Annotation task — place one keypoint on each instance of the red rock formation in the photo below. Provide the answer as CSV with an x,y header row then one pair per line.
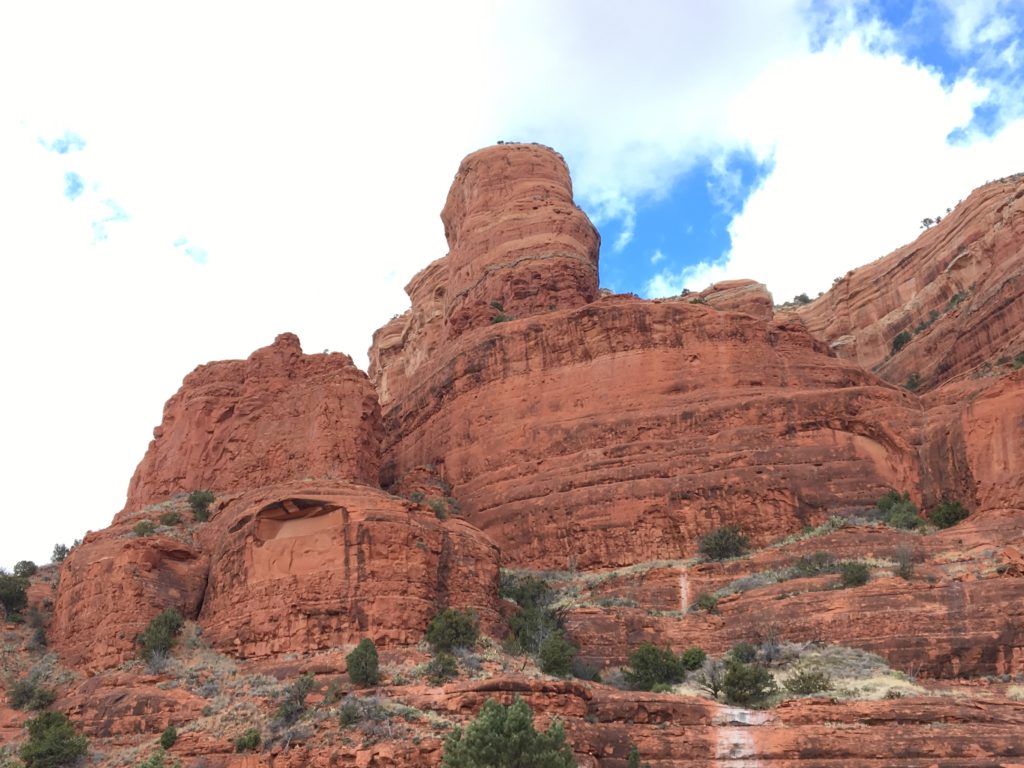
x,y
960,284
518,245
624,430
280,415
746,296
113,584
299,568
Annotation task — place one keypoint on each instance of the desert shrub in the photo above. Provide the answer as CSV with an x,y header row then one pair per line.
x,y
144,528
899,511
25,568
947,514
633,759
169,737
526,590
350,713
913,381
504,737
293,703
160,635
854,573
711,676
442,668
13,593
363,664
901,340
30,693
535,621
170,518
705,602
199,502
692,658
802,298
248,741
744,653
813,565
453,629
650,665
807,679
747,684
52,742
60,551
585,671
723,543
157,760
904,563
556,654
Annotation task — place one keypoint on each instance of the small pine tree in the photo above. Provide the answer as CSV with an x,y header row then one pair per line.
x,y
25,568
13,593
504,737
248,741
169,737
692,658
200,502
60,551
144,528
556,655
747,684
650,665
723,543
363,664
946,515
854,573
52,742
161,634
452,629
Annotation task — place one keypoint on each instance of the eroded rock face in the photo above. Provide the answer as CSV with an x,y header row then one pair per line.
x,y
958,291
298,568
113,584
624,430
279,415
518,245
746,296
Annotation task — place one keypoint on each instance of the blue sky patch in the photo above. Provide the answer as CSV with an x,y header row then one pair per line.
x,y
69,142
198,254
73,185
687,226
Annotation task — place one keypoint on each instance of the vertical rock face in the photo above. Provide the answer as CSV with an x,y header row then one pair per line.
x,y
279,415
957,293
299,568
518,245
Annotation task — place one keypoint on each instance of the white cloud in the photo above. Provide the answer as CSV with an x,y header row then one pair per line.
x,y
657,257
978,22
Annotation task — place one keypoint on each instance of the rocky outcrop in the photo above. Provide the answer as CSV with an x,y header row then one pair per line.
x,y
300,568
747,296
624,430
113,584
279,415
957,292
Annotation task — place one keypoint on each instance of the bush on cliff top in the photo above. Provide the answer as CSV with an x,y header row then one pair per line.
x,y
723,543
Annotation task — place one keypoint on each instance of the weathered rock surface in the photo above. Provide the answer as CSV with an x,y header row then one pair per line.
x,y
624,430
279,415
299,568
958,289
746,296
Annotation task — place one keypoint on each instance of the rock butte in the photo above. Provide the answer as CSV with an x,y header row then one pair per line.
x,y
516,415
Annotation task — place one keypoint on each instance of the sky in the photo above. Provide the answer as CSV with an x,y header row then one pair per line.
x,y
180,183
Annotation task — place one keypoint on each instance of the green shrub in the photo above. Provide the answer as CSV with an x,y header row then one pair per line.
x,y
747,684
160,634
633,760
705,602
711,676
52,742
200,502
170,518
649,665
504,737
169,737
157,760
13,593
442,668
556,654
913,382
813,565
526,591
363,664
453,629
899,511
854,573
901,340
947,514
807,679
350,713
692,658
29,693
743,653
144,528
723,543
60,551
293,704
248,741
25,568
